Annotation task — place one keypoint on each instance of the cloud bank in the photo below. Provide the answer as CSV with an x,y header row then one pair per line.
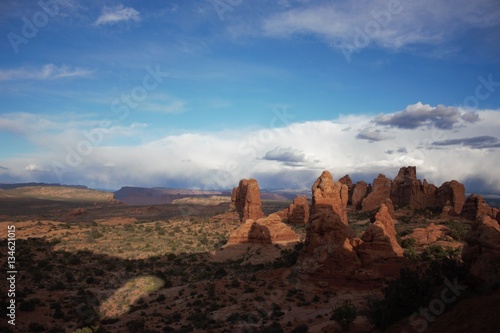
x,y
288,156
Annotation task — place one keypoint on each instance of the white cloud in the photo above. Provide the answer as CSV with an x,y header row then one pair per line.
x,y
33,167
220,159
46,72
117,14
390,24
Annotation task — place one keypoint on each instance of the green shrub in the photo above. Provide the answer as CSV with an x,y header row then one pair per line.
x,y
408,243
344,314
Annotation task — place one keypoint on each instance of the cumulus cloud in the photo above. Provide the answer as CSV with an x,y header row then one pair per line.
x,y
420,115
46,72
477,142
117,14
287,155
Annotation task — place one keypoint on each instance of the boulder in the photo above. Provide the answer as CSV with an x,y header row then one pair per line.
x,y
381,190
246,200
481,253
326,192
267,230
429,235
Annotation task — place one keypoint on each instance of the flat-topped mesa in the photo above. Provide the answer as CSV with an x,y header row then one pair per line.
x,y
266,230
246,200
326,192
380,192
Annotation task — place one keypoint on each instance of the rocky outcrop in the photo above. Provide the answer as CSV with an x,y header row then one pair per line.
x,y
331,249
451,194
327,193
429,235
481,253
379,240
267,230
381,190
327,249
346,180
246,200
298,212
409,191
476,207
405,186
360,191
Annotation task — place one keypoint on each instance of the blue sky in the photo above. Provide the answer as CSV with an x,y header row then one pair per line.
x,y
202,93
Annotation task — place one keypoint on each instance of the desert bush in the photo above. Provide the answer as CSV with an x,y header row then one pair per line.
x,y
344,314
458,230
408,243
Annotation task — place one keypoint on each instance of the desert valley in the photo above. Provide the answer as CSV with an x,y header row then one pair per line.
x,y
392,255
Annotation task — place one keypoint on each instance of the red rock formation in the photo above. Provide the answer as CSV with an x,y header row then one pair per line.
x,y
267,230
381,191
379,240
298,212
429,235
346,180
326,192
405,186
360,191
453,194
407,190
246,200
481,253
476,208
327,249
